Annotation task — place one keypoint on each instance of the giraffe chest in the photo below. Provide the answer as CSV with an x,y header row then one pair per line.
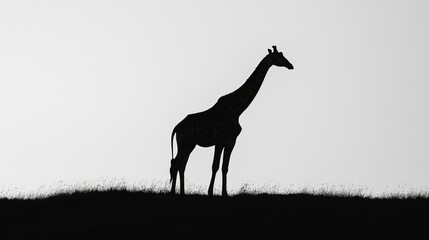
x,y
227,130
218,129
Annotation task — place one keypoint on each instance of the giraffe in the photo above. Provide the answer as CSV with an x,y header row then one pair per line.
x,y
219,125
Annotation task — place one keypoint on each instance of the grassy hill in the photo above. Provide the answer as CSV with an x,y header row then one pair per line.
x,y
123,214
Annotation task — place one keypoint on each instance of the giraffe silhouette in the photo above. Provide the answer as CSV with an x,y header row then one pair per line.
x,y
218,126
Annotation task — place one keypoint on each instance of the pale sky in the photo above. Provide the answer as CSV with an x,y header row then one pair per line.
x,y
93,89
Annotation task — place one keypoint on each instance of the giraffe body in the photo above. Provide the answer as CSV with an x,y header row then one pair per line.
x,y
216,125
219,125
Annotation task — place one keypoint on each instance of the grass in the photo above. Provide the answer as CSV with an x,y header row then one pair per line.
x,y
151,213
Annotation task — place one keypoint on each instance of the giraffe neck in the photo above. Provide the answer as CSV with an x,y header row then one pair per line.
x,y
242,97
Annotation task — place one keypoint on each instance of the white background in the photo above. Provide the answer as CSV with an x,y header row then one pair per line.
x,y
93,89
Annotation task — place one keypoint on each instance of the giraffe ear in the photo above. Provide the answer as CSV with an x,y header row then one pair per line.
x,y
269,51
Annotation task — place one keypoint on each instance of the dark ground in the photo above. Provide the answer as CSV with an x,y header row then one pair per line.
x,y
138,215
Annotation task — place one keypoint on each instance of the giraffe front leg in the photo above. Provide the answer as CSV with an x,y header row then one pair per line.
x,y
215,167
226,156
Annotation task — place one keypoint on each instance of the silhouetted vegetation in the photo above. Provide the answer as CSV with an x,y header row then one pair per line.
x,y
125,214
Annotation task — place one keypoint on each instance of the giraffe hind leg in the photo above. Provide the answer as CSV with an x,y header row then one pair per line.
x,y
178,165
183,160
173,175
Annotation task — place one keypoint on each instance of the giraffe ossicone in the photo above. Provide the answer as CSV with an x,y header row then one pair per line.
x,y
219,125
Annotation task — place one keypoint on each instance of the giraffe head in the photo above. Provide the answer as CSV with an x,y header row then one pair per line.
x,y
278,59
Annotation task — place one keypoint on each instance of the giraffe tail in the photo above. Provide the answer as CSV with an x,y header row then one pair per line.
x,y
172,138
172,168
